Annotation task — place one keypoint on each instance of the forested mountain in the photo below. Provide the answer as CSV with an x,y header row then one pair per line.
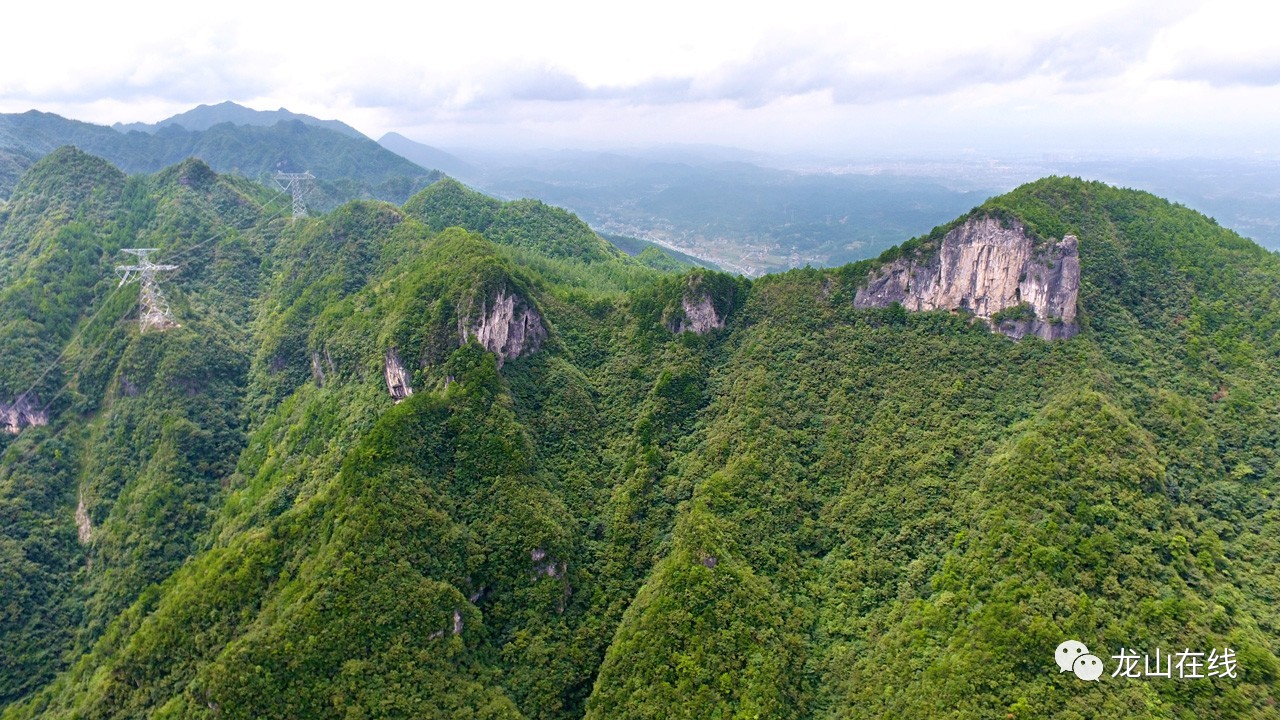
x,y
462,459
346,167
203,117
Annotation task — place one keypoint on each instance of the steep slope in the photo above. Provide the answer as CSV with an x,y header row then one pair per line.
x,y
924,531
110,496
997,273
455,477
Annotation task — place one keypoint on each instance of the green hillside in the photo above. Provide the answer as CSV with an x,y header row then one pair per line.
x,y
346,166
571,511
520,223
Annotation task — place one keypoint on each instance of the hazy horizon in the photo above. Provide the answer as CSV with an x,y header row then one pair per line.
x,y
1000,79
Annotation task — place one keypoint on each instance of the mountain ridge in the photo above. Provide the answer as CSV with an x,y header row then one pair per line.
x,y
346,167
203,117
699,496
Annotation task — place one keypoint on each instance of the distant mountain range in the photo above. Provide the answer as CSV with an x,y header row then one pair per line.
x,y
247,142
744,212
203,117
744,217
428,156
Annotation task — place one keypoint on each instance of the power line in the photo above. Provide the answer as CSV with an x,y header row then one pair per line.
x,y
192,248
67,348
106,301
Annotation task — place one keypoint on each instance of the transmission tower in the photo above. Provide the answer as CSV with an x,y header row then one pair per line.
x,y
297,184
153,309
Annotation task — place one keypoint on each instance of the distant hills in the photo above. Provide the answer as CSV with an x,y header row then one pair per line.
x,y
256,144
203,117
745,217
727,207
348,165
428,156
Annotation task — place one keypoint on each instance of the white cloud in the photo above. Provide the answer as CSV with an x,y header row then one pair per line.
x,y
907,74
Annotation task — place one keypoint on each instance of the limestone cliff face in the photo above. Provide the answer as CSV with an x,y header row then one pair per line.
x,y
984,267
22,412
700,316
397,376
506,325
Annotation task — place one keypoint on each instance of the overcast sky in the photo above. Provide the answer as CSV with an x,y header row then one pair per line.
x,y
885,78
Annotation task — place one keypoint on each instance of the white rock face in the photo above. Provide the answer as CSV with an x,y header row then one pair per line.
x,y
84,528
23,412
397,377
984,267
505,325
700,316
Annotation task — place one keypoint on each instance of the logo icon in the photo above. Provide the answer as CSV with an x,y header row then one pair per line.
x,y
1087,667
1073,656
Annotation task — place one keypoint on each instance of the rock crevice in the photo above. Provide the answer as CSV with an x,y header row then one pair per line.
x,y
994,271
23,412
506,325
397,376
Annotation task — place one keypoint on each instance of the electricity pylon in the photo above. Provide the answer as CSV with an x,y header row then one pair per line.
x,y
153,309
297,184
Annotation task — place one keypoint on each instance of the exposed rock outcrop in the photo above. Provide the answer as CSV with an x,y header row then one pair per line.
x,y
84,528
397,377
455,629
700,316
542,565
506,325
996,272
318,366
22,413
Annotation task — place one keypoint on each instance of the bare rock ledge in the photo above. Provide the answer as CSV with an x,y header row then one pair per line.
x,y
984,267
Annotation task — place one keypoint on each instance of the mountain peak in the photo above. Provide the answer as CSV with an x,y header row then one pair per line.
x,y
203,117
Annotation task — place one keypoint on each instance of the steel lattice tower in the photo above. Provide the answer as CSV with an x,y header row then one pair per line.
x,y
297,184
153,309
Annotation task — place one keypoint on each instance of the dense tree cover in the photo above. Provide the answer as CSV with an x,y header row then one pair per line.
x,y
148,424
346,165
520,223
813,512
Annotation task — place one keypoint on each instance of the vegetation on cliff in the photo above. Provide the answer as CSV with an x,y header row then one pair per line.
x,y
813,512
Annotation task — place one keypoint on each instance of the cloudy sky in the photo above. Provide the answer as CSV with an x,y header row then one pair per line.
x,y
870,79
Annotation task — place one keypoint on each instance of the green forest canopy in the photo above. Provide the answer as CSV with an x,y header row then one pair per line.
x,y
814,512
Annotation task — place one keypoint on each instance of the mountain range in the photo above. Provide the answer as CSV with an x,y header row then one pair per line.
x,y
460,457
203,117
347,165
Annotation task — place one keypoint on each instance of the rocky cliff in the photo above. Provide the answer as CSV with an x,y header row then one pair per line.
x,y
23,412
397,377
992,269
506,324
699,314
